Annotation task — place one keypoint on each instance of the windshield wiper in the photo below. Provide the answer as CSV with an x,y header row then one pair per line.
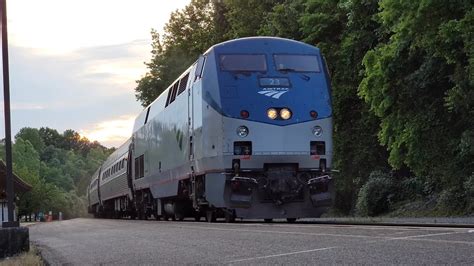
x,y
236,73
286,69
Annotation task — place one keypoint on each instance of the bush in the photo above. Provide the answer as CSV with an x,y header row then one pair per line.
x,y
375,195
411,188
469,193
451,201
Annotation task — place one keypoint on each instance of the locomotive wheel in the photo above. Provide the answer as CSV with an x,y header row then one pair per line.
x,y
178,217
197,217
269,220
210,216
291,220
229,217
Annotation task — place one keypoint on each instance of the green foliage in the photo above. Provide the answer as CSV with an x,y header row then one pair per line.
x,y
247,17
451,201
345,31
412,81
282,20
469,192
33,136
412,188
188,33
375,196
58,167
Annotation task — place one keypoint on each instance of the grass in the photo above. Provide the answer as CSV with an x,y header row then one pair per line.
x,y
26,258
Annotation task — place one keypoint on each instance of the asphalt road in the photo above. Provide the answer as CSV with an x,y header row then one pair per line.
x,y
100,241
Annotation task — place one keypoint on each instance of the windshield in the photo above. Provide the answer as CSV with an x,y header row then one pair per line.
x,y
298,63
243,62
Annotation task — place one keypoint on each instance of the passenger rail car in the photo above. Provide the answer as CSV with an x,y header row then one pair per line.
x,y
245,132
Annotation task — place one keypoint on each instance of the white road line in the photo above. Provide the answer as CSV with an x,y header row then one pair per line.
x,y
441,241
419,236
282,254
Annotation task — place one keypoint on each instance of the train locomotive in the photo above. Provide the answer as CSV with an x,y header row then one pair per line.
x,y
245,132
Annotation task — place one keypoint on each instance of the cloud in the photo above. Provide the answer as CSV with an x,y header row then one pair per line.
x,y
110,132
22,106
58,26
70,91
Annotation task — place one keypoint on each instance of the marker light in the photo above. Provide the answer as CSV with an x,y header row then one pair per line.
x,y
285,113
244,114
272,113
242,131
317,131
313,114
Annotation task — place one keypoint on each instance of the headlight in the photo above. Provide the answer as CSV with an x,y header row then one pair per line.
x,y
285,113
317,131
242,131
272,113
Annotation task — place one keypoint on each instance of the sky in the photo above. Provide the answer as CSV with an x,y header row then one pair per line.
x,y
73,64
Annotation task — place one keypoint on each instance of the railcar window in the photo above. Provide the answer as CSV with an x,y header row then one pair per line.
x,y
182,84
297,63
147,113
170,89
137,170
139,167
172,92
243,62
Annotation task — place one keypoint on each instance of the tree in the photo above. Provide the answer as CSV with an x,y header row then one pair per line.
x,y
58,172
246,17
50,136
282,20
33,136
188,33
71,140
418,84
345,31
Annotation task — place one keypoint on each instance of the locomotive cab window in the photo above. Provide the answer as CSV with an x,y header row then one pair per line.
x,y
243,62
296,63
199,68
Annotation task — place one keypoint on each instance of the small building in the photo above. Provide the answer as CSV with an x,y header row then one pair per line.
x,y
19,186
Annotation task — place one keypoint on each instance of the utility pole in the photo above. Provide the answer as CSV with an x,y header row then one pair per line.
x,y
6,104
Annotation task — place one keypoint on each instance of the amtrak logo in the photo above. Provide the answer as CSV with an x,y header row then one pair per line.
x,y
273,92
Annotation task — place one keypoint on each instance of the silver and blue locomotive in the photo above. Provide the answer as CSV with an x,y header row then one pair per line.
x,y
245,132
